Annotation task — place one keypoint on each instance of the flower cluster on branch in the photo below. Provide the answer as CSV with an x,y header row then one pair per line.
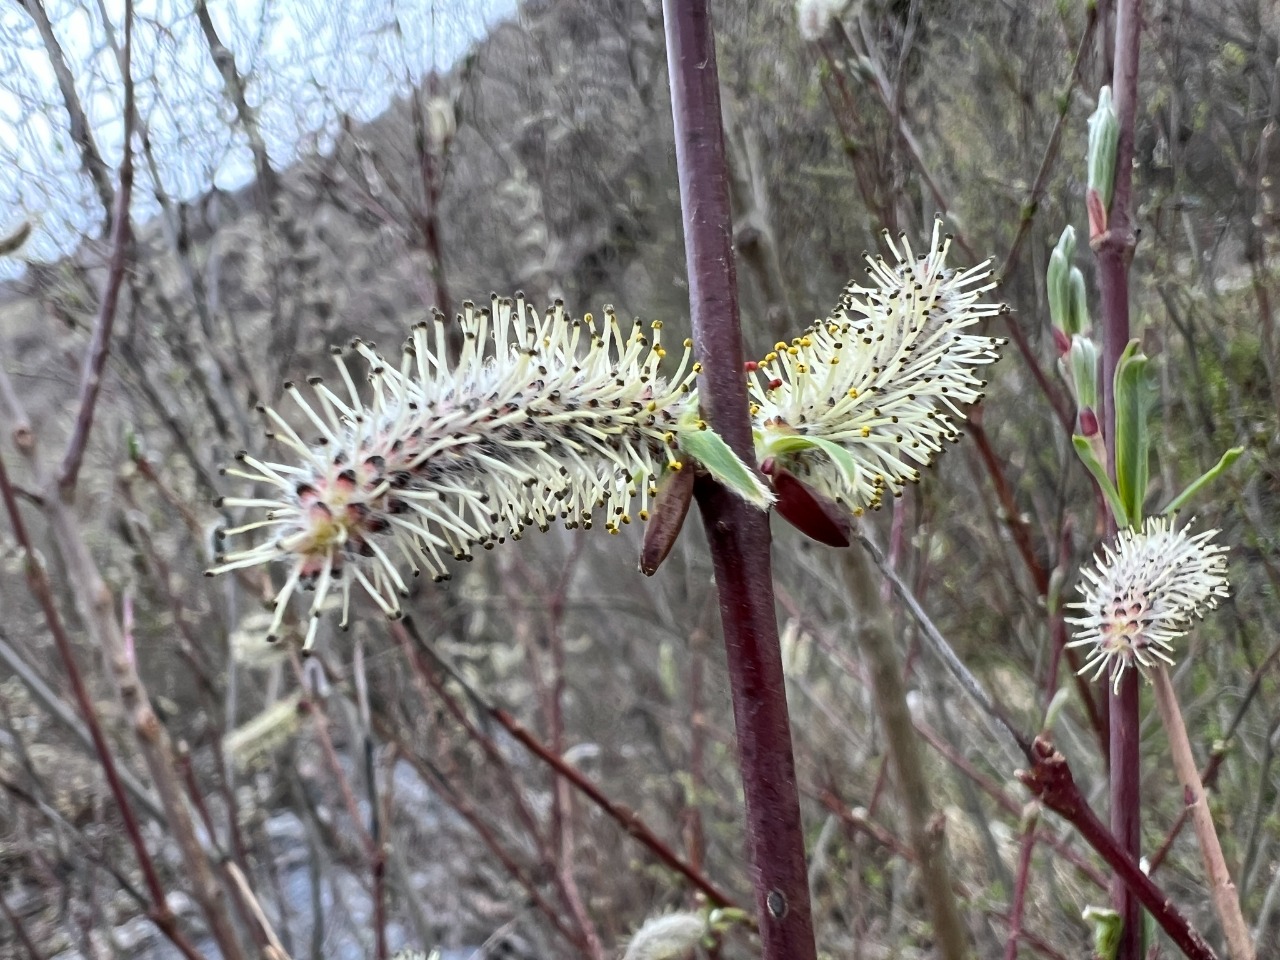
x,y
539,418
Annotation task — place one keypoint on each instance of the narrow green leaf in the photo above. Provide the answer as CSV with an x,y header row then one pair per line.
x,y
709,449
1096,465
837,454
1133,397
1224,464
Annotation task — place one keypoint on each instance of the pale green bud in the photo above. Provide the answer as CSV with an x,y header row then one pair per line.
x,y
1104,134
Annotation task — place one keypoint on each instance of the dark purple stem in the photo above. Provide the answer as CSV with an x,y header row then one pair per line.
x,y
1114,250
1051,780
738,533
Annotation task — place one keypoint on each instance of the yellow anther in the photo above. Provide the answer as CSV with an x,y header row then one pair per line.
x,y
675,465
793,350
801,368
688,343
697,368
652,406
626,518
644,515
660,352
866,431
770,357
780,345
853,393
656,325
587,318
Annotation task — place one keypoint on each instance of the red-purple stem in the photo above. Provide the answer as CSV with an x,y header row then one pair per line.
x,y
1114,250
738,532
1051,780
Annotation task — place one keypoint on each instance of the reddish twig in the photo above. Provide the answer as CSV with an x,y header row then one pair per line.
x,y
95,359
738,533
459,804
1010,806
16,924
1026,849
38,582
1114,251
628,819
429,682
1051,780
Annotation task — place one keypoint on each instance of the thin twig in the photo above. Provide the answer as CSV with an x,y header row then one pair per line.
x,y
938,643
1226,902
924,825
1031,204
121,241
38,582
628,819
1051,780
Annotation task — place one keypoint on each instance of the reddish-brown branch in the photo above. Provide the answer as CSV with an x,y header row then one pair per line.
x,y
95,359
430,684
1010,805
628,819
738,533
1051,780
38,582
1114,250
459,804
1026,849
19,928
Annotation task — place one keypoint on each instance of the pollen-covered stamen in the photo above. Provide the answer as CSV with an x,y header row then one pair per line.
x,y
885,378
1145,593
537,418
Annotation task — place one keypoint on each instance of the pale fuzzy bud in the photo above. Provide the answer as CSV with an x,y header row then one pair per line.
x,y
813,17
442,124
260,736
669,937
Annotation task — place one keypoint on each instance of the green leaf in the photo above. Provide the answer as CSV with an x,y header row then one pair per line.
x,y
1133,397
1195,486
1094,459
707,447
797,442
1107,926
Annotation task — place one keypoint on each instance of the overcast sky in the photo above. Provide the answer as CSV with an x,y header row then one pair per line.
x,y
309,62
